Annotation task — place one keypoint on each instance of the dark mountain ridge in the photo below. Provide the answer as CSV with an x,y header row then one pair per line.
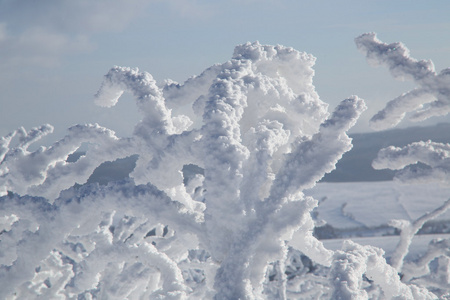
x,y
356,165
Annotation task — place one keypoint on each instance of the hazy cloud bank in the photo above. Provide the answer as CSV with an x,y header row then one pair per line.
x,y
39,32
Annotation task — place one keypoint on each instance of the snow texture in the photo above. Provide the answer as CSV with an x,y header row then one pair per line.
x,y
254,134
434,155
430,98
434,90
408,230
254,124
353,261
349,204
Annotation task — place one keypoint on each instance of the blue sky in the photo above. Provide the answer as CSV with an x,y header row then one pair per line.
x,y
53,54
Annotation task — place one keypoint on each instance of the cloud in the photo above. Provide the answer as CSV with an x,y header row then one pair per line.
x,y
430,98
39,32
38,46
71,16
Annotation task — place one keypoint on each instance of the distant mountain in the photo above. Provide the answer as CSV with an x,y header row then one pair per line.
x,y
356,165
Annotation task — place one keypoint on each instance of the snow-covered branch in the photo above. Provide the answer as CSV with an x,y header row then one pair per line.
x,y
430,98
213,203
45,172
432,269
257,131
433,89
434,155
353,261
407,232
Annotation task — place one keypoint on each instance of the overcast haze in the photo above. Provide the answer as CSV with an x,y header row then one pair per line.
x,y
54,53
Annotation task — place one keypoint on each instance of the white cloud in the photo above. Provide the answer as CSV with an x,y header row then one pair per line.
x,y
71,16
38,46
38,33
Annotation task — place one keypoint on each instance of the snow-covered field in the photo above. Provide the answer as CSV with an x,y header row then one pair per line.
x,y
361,211
372,204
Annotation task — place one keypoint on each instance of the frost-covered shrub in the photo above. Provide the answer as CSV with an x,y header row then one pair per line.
x,y
430,98
254,124
254,134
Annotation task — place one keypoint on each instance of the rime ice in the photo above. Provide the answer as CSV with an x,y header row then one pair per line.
x,y
430,98
257,133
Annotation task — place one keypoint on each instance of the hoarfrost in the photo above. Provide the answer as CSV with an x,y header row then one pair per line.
x,y
430,98
259,134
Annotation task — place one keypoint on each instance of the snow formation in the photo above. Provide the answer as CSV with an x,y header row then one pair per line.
x,y
430,98
257,134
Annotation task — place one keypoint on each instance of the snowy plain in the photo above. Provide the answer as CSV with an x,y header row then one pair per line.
x,y
372,204
362,211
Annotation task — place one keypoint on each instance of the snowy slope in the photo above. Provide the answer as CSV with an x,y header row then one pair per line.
x,y
371,204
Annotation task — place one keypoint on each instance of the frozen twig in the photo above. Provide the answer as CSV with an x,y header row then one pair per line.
x,y
407,232
433,89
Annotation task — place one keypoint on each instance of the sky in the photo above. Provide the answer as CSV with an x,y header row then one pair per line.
x,y
54,53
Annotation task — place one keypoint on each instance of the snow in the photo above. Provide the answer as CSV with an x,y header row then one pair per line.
x,y
434,155
388,243
222,197
402,206
430,98
371,204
